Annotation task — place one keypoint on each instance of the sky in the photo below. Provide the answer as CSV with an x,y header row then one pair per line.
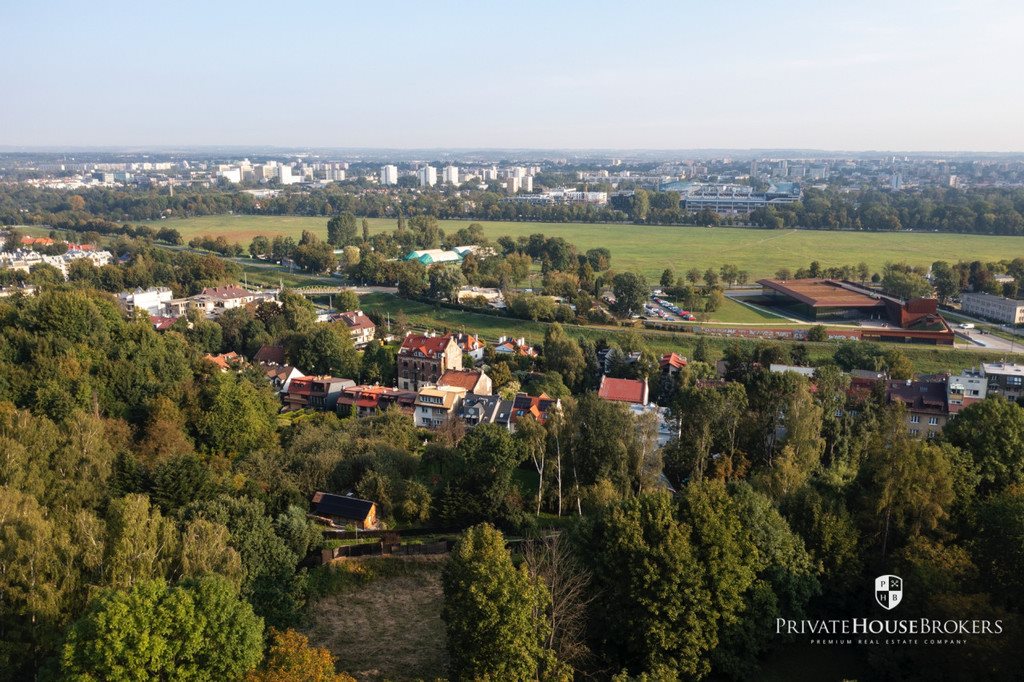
x,y
944,75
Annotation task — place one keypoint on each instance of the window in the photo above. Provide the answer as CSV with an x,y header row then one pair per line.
x,y
914,432
933,421
914,419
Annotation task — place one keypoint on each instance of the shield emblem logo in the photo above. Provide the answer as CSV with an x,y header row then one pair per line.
x,y
888,591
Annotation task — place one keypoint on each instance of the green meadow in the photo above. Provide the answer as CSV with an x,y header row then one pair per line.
x,y
652,248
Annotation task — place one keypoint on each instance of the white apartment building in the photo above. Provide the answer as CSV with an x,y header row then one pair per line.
x,y
232,175
527,183
513,184
967,387
152,300
450,175
997,308
389,175
284,175
428,176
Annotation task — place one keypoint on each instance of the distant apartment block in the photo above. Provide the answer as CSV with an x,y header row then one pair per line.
x,y
450,175
996,308
389,175
152,300
428,176
1005,379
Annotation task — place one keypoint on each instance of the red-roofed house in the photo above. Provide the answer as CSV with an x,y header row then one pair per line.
x,y
269,355
474,381
422,359
517,347
161,323
473,346
672,362
359,326
633,391
318,393
36,241
539,407
225,361
367,400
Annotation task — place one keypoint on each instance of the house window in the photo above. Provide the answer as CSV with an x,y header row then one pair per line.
x,y
914,419
933,421
914,432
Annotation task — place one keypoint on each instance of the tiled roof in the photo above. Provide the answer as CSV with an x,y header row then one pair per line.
x,y
467,379
224,360
356,319
271,355
161,323
673,359
226,292
622,390
428,346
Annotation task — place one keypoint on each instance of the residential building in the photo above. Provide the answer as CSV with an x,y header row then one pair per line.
x,y
925,403
965,388
269,355
526,183
345,510
360,327
802,371
473,380
473,346
152,300
225,361
281,376
486,409
364,401
995,308
518,347
513,184
450,175
389,175
284,175
1005,379
539,407
315,392
428,176
422,359
633,391
437,404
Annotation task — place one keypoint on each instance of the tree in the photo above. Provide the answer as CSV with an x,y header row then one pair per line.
x,y
817,333
290,658
993,432
640,205
445,282
999,545
197,630
327,349
655,612
259,246
700,350
492,611
480,479
412,279
668,278
553,564
563,355
233,415
946,281
631,292
141,544
341,229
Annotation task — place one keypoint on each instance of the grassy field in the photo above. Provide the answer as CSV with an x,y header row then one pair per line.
x,y
650,249
386,625
926,359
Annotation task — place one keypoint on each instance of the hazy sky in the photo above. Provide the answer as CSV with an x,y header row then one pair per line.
x,y
906,75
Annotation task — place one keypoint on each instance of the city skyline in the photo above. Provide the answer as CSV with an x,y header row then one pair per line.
x,y
912,78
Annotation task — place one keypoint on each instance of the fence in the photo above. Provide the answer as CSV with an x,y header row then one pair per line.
x,y
386,549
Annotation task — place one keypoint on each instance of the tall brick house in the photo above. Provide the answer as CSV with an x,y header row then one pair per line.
x,y
422,360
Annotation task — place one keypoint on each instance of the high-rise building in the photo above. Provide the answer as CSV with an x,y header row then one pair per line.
x,y
513,184
527,183
389,175
428,176
450,175
284,174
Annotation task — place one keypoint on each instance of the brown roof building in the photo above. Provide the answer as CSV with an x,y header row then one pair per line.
x,y
422,359
474,381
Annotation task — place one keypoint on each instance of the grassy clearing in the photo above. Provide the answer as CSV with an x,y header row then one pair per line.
x,y
650,249
381,618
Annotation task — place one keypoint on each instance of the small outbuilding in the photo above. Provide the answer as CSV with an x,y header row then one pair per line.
x,y
345,510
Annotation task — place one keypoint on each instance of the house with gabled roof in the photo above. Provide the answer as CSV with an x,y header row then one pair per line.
x,y
473,380
633,391
345,510
360,326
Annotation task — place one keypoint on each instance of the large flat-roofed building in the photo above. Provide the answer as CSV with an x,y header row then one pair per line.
x,y
996,308
822,299
825,300
728,198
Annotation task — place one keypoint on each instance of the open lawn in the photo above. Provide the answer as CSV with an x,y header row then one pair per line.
x,y
650,249
386,624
